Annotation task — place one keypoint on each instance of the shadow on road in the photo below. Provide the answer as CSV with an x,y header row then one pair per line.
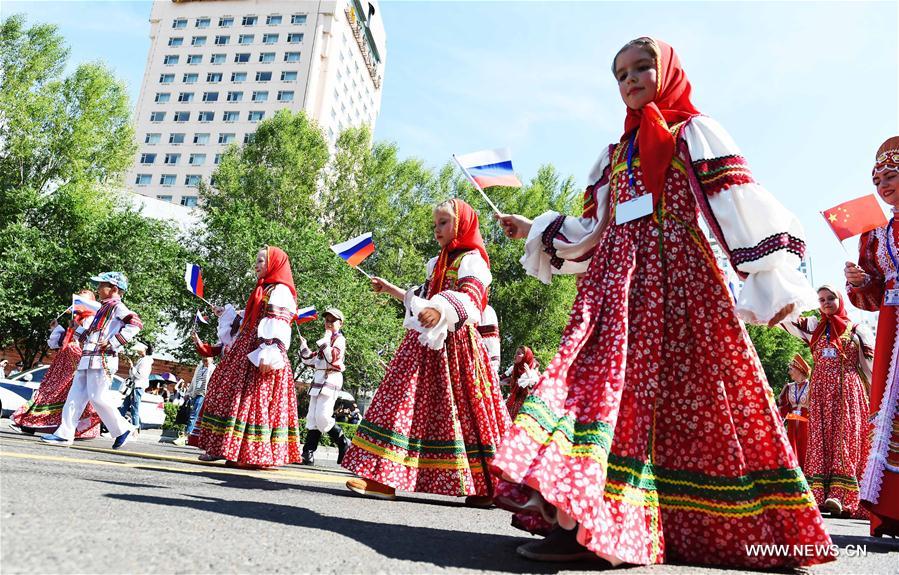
x,y
871,544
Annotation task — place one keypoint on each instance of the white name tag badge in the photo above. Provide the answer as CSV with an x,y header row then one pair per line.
x,y
634,209
829,352
891,297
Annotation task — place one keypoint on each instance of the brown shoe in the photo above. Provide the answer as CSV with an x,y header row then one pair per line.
x,y
834,506
479,501
371,488
560,546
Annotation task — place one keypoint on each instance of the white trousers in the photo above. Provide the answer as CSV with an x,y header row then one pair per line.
x,y
321,412
90,385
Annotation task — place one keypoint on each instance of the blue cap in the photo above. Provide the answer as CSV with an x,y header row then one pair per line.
x,y
117,279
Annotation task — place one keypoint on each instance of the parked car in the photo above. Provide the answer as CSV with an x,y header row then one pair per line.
x,y
18,390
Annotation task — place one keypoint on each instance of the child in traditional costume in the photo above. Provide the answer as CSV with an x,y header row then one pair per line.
x,y
793,403
873,286
438,415
522,375
653,434
44,411
249,415
113,326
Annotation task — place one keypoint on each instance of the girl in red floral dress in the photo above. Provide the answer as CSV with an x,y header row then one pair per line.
x,y
872,286
793,403
838,404
44,411
653,435
523,374
438,415
250,413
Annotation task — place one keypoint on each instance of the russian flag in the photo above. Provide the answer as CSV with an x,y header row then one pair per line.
x,y
490,168
200,318
306,315
81,304
194,279
356,249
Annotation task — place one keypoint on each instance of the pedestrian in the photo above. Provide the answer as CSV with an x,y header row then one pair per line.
x,y
44,411
793,403
522,375
140,380
328,360
3,364
112,328
488,327
355,415
838,404
872,285
196,394
438,415
652,436
250,411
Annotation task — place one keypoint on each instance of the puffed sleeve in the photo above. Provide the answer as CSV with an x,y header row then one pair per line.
x,y
765,242
560,244
803,327
457,307
869,295
56,336
226,320
131,325
273,332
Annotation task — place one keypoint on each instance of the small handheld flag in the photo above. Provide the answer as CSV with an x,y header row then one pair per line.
x,y
200,318
193,277
489,168
81,304
305,315
355,251
855,217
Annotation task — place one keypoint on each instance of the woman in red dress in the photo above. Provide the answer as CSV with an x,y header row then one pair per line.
x,y
793,403
438,415
653,432
522,377
44,411
250,416
872,286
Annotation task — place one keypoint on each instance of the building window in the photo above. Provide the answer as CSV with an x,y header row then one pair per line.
x,y
210,96
179,23
217,59
261,96
172,159
147,159
249,20
190,78
269,38
214,77
176,138
152,138
291,56
167,180
166,78
182,116
249,137
201,139
231,117
234,96
226,138
206,116
143,179
164,198
226,22
157,116
176,41
295,38
238,77
170,60
256,116
198,41
263,76
288,76
245,39
194,59
273,19
218,159
298,19
191,180
285,96
222,40
190,201
266,57
186,97
242,58
162,97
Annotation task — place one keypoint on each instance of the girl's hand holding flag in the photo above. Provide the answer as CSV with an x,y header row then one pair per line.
x,y
380,285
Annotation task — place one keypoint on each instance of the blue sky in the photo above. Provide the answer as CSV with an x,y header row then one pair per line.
x,y
808,90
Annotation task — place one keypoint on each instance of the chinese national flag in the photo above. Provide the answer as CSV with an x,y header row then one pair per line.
x,y
855,217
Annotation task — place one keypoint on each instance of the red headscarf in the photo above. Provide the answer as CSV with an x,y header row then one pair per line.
x,y
670,105
467,237
838,322
277,271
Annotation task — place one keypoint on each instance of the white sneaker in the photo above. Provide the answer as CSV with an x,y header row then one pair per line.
x,y
180,441
53,439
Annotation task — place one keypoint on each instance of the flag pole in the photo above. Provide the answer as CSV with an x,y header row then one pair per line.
x,y
476,185
365,273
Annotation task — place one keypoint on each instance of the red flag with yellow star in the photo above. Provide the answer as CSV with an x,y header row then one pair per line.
x,y
855,217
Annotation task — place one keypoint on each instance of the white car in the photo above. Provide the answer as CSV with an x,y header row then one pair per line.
x,y
18,390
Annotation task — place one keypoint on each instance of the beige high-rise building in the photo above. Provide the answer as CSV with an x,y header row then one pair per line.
x,y
218,67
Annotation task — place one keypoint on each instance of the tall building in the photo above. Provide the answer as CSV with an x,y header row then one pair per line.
x,y
218,67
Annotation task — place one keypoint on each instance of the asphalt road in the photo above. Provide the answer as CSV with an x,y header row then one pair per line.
x,y
153,508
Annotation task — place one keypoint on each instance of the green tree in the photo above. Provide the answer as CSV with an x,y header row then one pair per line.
x,y
776,349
